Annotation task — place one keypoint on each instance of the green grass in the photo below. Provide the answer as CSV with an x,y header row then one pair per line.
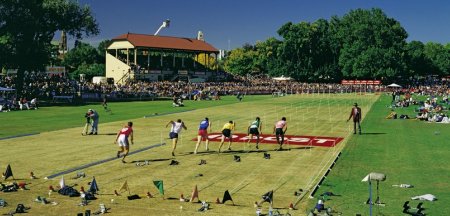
x,y
62,117
407,151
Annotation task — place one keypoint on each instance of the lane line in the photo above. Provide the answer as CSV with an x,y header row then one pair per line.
x,y
101,161
17,136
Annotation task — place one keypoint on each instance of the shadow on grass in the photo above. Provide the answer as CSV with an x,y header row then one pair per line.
x,y
151,160
198,153
373,133
108,134
244,151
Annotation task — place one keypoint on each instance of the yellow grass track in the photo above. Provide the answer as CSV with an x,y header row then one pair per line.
x,y
286,171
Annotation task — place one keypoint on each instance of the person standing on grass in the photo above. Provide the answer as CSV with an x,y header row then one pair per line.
x,y
203,133
94,116
279,130
226,132
355,113
174,131
254,130
122,140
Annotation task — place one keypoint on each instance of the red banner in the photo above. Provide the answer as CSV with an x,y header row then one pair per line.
x,y
360,82
288,139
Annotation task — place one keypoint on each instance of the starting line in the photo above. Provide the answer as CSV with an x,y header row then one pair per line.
x,y
101,161
288,139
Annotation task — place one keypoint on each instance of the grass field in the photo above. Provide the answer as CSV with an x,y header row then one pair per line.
x,y
59,147
407,151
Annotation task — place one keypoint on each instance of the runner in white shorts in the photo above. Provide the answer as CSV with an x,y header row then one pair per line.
x,y
174,131
122,140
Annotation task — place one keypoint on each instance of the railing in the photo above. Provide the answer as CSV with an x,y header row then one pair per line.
x,y
125,78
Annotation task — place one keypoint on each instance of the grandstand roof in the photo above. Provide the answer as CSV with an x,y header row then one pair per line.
x,y
166,42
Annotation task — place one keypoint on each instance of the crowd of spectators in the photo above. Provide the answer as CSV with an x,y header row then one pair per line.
x,y
44,87
431,100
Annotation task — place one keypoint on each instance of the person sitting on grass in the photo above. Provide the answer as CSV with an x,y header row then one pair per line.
x,y
423,115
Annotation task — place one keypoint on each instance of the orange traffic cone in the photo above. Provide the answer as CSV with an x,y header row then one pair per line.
x,y
291,206
218,201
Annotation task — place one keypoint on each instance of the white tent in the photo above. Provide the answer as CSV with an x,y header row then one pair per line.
x,y
394,85
282,78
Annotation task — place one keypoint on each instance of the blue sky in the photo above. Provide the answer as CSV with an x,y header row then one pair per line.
x,y
232,23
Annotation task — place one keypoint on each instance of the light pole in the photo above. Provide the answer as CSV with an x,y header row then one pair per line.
x,y
165,24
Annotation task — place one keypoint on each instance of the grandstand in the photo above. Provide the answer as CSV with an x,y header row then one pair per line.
x,y
156,58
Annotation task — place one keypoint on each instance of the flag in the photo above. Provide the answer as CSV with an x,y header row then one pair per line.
x,y
194,194
62,183
8,173
268,197
226,197
125,187
160,185
94,187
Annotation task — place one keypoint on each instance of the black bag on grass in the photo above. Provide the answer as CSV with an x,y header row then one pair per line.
x,y
133,197
69,191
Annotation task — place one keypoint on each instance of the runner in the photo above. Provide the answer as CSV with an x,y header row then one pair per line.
x,y
174,131
254,130
203,133
122,140
226,132
279,130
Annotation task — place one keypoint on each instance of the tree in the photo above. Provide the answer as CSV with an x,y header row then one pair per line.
x,y
82,53
307,51
102,50
269,61
439,57
418,63
28,26
90,70
372,45
241,61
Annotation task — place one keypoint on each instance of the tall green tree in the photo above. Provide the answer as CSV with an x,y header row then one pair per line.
x,y
372,45
307,51
418,63
28,26
82,53
440,58
269,61
89,70
102,50
242,61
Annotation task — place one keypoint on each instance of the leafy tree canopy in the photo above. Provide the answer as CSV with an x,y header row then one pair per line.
x,y
27,28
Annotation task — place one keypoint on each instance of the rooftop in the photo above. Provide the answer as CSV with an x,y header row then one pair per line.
x,y
166,42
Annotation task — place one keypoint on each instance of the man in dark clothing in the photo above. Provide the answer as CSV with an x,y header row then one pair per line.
x,y
356,115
